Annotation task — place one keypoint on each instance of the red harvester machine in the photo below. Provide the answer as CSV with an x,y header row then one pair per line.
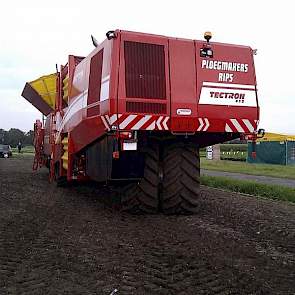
x,y
136,110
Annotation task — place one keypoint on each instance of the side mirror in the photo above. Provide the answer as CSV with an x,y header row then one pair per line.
x,y
260,133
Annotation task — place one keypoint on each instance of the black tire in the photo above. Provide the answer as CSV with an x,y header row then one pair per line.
x,y
181,181
61,181
47,162
142,197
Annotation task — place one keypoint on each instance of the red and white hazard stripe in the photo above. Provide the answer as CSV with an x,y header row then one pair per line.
x,y
105,123
136,122
204,124
241,125
161,123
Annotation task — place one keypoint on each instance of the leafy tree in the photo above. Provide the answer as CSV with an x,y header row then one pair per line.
x,y
29,138
14,136
2,136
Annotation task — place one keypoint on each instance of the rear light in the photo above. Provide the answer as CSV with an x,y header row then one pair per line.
x,y
116,155
125,135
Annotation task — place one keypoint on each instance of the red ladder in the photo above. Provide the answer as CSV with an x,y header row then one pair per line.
x,y
38,144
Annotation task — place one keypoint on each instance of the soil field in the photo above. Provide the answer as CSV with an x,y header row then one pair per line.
x,y
69,241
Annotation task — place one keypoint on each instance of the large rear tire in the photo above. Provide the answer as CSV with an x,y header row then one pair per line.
x,y
181,181
142,197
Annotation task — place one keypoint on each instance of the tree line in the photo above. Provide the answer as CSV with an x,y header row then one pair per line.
x,y
13,136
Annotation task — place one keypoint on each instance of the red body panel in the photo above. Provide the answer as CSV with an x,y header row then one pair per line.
x,y
234,54
183,78
200,94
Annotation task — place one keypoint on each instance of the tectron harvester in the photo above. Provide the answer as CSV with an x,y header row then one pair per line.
x,y
136,110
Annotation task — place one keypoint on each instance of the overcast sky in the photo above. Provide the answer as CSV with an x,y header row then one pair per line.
x,y
35,35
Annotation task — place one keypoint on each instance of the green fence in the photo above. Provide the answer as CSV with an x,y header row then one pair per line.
x,y
290,152
272,152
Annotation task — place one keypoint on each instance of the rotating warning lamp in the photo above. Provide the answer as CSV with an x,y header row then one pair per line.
x,y
207,36
207,51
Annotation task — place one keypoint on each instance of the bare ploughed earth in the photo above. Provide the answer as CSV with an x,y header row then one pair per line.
x,y
69,241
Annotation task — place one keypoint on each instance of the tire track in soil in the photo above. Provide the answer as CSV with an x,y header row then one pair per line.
x,y
265,228
269,228
13,242
172,265
28,260
51,265
65,240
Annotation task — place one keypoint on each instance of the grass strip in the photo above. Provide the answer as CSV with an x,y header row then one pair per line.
x,y
247,168
275,192
27,149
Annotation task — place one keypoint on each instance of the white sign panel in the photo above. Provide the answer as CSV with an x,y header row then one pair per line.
x,y
230,95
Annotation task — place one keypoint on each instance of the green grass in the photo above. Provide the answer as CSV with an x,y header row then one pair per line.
x,y
235,147
23,155
246,168
25,150
250,187
28,149
233,156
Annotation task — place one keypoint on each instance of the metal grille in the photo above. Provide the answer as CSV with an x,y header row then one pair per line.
x,y
143,107
293,153
94,83
144,70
